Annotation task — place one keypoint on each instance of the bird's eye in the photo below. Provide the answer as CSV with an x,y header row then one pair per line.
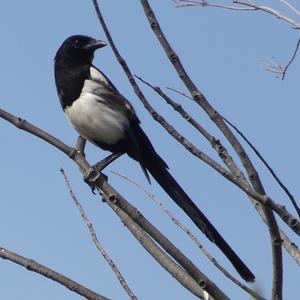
x,y
76,43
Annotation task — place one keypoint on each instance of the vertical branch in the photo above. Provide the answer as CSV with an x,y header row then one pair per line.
x,y
216,118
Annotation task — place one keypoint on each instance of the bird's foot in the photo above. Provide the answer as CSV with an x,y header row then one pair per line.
x,y
93,174
91,178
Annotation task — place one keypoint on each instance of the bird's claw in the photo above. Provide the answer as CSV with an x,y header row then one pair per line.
x,y
91,178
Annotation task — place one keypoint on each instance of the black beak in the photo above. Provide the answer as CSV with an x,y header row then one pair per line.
x,y
95,44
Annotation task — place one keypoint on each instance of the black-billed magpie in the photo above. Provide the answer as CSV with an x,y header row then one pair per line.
x,y
104,117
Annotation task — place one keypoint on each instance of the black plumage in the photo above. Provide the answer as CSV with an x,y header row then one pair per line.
x,y
103,116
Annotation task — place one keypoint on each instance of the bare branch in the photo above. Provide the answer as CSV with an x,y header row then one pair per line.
x,y
283,187
34,266
291,59
290,247
290,6
203,3
273,66
244,6
179,109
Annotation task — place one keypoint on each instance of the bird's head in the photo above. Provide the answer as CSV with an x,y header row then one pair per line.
x,y
79,48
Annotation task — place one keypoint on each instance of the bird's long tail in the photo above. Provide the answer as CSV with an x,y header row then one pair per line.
x,y
153,163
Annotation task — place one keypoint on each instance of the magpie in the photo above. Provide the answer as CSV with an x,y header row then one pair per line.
x,y
103,116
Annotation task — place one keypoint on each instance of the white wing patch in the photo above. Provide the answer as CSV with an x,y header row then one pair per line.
x,y
96,75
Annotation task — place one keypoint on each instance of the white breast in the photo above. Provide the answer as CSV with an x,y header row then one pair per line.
x,y
93,119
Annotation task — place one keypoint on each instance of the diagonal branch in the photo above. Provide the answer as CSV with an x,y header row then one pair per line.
x,y
177,107
204,3
244,6
283,187
269,10
34,266
290,6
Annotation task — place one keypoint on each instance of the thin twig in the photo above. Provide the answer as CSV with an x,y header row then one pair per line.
x,y
177,107
290,6
283,187
36,267
273,66
203,3
291,59
269,10
248,6
96,242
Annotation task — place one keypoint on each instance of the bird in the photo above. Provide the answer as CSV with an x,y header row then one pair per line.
x,y
104,117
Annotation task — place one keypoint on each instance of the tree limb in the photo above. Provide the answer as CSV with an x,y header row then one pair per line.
x,y
34,266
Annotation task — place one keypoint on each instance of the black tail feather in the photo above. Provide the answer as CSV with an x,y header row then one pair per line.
x,y
172,188
153,163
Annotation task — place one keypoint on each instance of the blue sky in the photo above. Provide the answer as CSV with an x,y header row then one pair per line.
x,y
221,51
